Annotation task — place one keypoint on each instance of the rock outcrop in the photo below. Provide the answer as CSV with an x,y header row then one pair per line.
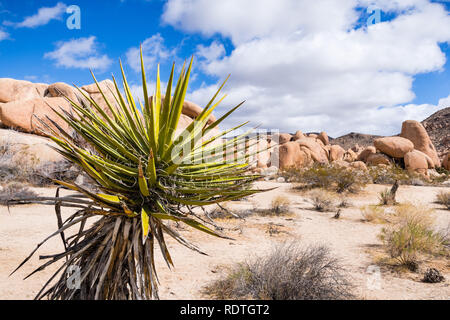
x,y
416,133
377,159
298,135
12,90
282,138
23,145
437,126
419,162
21,114
323,136
336,153
446,161
395,147
366,153
318,153
291,155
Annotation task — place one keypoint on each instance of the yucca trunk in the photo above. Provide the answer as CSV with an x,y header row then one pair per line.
x,y
112,262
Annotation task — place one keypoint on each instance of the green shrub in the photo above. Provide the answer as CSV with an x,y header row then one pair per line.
x,y
328,177
390,174
411,234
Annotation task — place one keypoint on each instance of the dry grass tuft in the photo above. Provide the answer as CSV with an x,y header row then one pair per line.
x,y
374,214
384,197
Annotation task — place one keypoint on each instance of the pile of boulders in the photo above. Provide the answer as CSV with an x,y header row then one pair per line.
x,y
22,102
302,150
412,148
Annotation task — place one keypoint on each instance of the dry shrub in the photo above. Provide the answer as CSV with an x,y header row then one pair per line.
x,y
411,234
287,273
443,197
374,214
344,203
322,200
328,177
15,191
26,168
222,211
280,205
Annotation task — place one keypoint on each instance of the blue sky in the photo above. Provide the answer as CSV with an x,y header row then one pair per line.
x,y
299,64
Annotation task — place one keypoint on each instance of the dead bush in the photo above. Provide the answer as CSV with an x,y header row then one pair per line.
x,y
433,275
322,200
26,168
443,197
280,205
15,191
287,273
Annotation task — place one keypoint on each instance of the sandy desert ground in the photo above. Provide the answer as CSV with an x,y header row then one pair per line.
x,y
353,241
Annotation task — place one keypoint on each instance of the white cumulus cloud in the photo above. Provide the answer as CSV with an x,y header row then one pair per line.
x,y
214,51
42,17
81,53
3,35
153,50
303,64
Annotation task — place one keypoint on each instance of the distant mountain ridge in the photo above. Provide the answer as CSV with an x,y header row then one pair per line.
x,y
353,138
438,128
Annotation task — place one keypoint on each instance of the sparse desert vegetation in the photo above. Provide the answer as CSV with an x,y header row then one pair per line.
x,y
279,150
350,241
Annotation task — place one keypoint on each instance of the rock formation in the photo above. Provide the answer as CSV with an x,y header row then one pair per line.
x,y
416,133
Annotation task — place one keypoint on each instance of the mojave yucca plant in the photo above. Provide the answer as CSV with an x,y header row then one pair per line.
x,y
147,176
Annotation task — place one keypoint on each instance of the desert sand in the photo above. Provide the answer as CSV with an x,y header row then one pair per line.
x,y
352,240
